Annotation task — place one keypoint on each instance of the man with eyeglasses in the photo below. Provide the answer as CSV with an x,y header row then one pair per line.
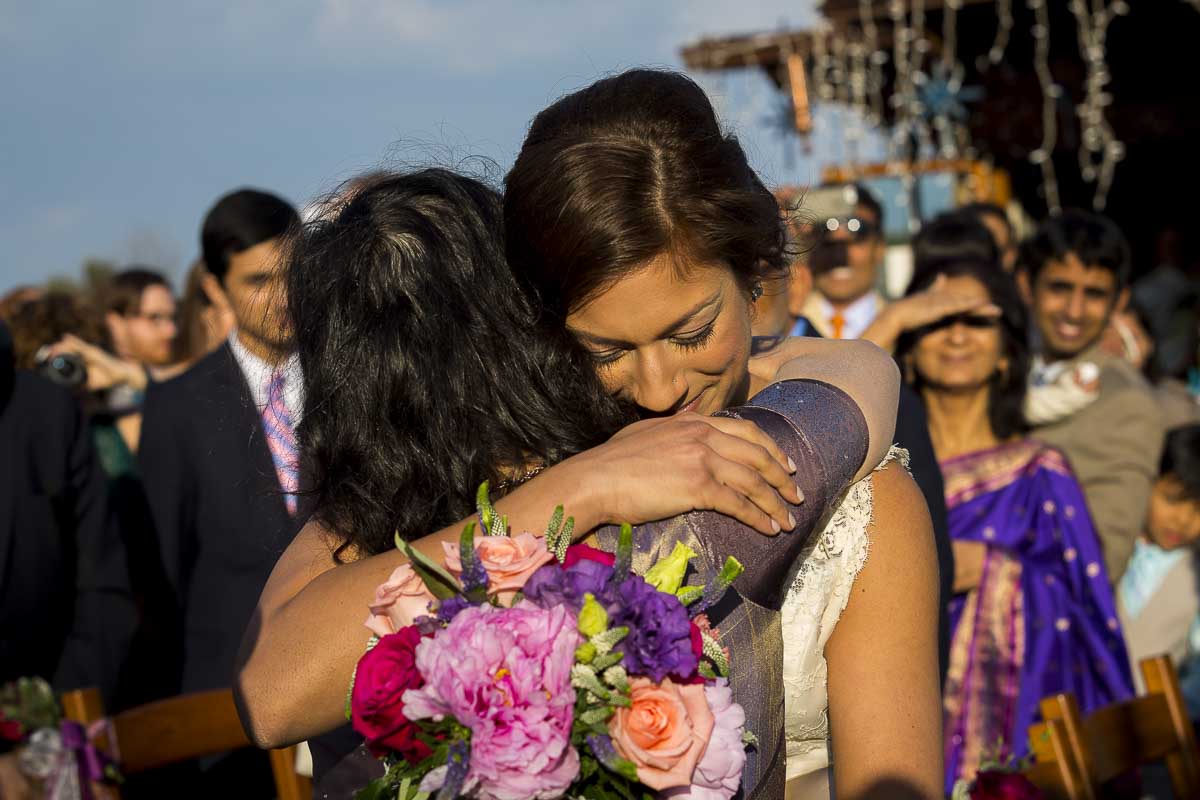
x,y
139,312
845,301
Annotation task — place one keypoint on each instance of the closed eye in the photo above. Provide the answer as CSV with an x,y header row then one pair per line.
x,y
697,340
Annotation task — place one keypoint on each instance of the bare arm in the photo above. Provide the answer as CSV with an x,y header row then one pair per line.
x,y
307,633
859,368
884,701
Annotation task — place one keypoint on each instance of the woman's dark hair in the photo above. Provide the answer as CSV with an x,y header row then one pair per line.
x,y
1181,458
1006,399
954,235
423,373
629,168
1093,238
240,220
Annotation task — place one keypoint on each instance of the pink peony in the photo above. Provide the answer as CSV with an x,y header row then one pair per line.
x,y
398,601
719,772
663,732
509,560
505,673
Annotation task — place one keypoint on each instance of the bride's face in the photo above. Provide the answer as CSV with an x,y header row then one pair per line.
x,y
671,339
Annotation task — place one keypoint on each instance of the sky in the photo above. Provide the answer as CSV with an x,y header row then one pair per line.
x,y
123,120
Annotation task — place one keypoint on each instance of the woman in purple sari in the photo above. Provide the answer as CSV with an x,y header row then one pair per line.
x,y
1033,613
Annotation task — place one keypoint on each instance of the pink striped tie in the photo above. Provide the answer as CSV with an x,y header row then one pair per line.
x,y
281,439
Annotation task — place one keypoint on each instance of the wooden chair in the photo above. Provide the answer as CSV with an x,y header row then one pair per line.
x,y
1055,770
1119,738
179,729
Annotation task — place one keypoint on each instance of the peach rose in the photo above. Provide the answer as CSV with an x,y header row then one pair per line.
x,y
509,560
398,601
663,732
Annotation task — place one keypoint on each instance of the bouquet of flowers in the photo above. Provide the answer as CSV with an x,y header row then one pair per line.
x,y
591,681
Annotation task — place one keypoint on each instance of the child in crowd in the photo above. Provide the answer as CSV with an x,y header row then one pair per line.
x,y
1158,597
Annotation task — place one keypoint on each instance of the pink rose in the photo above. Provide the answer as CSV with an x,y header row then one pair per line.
x,y
664,731
719,772
398,601
509,560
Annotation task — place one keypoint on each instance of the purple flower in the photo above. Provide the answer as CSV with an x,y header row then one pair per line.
x,y
505,673
554,586
660,640
448,609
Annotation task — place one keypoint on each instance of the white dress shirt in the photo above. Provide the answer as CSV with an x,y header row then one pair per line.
x,y
258,374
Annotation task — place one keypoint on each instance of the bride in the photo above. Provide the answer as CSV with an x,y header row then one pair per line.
x,y
666,319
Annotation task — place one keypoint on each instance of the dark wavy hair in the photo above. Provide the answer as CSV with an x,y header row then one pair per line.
x,y
422,369
627,169
1181,458
1006,398
1093,238
952,235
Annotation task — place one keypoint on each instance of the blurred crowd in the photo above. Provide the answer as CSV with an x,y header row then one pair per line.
x,y
147,445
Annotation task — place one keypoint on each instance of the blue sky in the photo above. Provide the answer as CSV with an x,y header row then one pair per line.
x,y
123,120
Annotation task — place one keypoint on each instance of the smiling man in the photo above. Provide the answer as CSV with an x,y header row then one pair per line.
x,y
1075,276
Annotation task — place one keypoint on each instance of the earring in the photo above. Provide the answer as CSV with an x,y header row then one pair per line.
x,y
756,291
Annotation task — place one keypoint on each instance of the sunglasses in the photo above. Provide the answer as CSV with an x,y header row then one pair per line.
x,y
973,321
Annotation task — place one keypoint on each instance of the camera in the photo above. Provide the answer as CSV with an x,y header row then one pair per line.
x,y
832,209
65,369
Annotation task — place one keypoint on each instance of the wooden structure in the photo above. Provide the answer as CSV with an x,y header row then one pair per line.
x,y
178,729
1154,113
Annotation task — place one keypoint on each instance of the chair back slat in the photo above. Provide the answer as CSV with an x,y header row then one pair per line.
x,y
178,729
1117,739
1055,771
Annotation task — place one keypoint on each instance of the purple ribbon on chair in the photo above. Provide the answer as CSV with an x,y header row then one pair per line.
x,y
92,762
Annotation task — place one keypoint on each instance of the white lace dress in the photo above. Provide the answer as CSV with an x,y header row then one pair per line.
x,y
820,588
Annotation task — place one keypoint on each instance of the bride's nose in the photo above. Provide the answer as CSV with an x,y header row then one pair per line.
x,y
658,384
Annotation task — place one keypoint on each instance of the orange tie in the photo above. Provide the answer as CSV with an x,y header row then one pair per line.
x,y
838,322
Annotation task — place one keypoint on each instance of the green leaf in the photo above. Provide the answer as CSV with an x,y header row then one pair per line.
x,y
624,561
441,584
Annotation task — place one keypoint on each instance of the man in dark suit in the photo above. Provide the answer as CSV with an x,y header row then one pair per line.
x,y
66,613
218,449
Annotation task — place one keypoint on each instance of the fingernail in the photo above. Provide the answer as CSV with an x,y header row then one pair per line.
x,y
799,493
791,522
791,464
775,525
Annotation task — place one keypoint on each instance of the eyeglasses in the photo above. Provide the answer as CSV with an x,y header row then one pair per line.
x,y
857,227
156,319
973,321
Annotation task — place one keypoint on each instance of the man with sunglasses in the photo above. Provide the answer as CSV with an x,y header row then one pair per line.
x,y
1074,274
845,300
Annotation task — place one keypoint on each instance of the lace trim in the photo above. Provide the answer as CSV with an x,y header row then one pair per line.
x,y
819,591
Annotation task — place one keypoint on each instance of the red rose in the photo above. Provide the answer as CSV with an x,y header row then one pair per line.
x,y
584,552
376,709
10,730
996,785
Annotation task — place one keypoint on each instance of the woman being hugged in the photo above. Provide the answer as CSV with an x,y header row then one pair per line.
x,y
1034,614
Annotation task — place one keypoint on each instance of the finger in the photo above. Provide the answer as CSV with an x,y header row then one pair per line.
x,y
749,432
758,459
750,484
732,503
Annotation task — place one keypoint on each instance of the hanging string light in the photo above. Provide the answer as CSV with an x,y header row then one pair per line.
x,y
1043,156
1004,26
876,58
1099,148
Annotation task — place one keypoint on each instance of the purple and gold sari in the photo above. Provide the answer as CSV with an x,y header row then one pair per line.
x,y
1042,619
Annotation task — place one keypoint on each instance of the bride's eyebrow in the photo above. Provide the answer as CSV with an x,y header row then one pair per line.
x,y
703,305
